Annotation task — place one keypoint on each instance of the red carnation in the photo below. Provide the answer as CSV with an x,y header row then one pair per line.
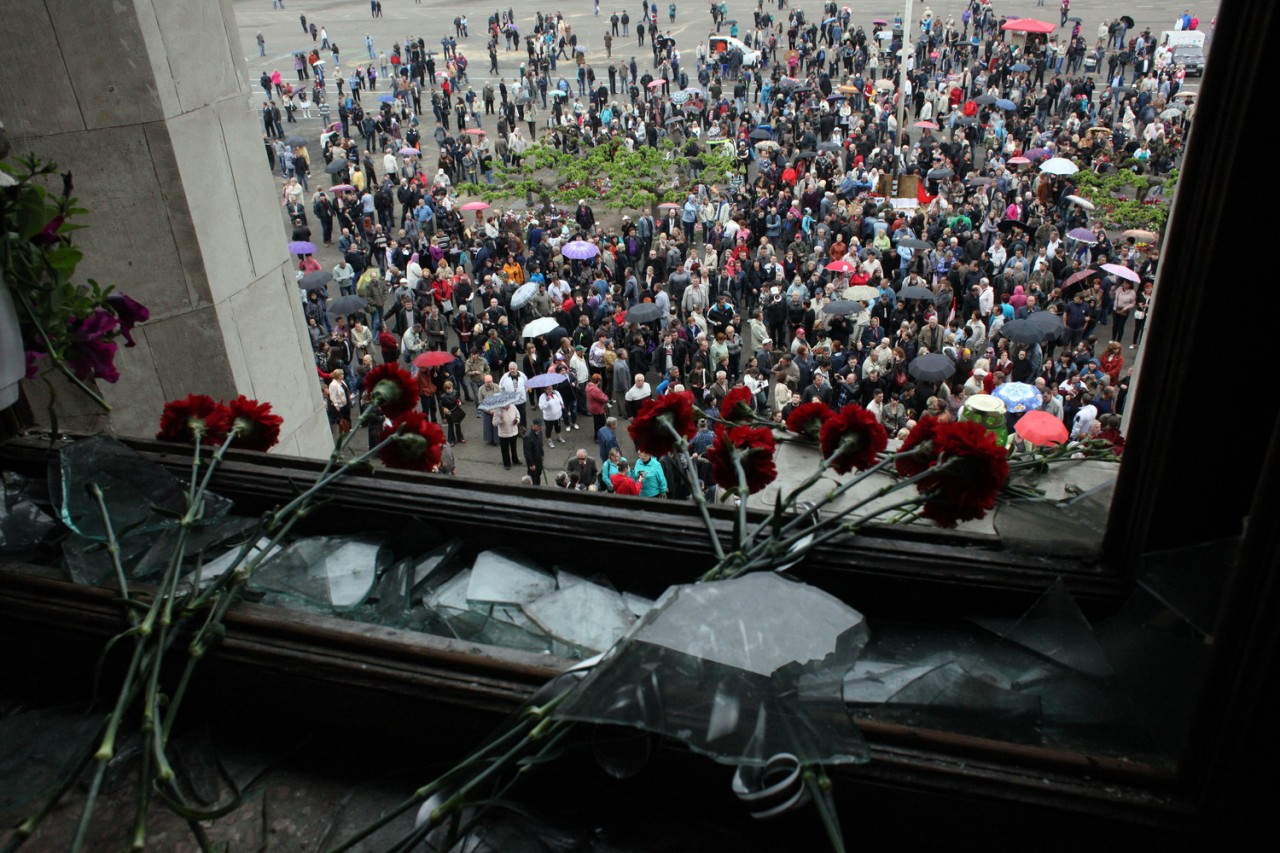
x,y
974,468
417,445
807,419
754,448
392,389
650,430
920,442
197,418
256,428
855,438
739,406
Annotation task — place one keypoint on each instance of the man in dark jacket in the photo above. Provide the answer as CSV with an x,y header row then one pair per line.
x,y
534,451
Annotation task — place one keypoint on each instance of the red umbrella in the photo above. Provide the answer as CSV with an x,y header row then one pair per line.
x,y
1041,429
474,131
841,266
474,205
1028,25
435,358
927,125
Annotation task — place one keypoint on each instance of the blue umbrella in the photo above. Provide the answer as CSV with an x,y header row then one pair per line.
x,y
387,99
1006,104
302,247
1021,66
1018,397
545,380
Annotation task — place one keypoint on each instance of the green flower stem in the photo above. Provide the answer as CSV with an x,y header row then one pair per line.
x,y
766,551
52,353
144,799
107,747
740,538
522,728
819,785
113,548
25,829
696,486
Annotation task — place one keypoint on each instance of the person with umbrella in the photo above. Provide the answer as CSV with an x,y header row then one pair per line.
x,y
513,381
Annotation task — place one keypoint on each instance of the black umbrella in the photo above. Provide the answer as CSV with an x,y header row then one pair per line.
x,y
295,141
931,367
1024,332
349,304
731,22
1048,322
977,181
1126,90
842,306
675,119
915,291
1128,22
967,120
1010,225
645,312
939,174
913,243
761,135
335,167
556,335
830,146
1074,19
315,280
985,100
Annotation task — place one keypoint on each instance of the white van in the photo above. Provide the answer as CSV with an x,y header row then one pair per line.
x,y
1182,38
717,44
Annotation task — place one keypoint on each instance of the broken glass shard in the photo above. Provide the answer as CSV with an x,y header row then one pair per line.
x,y
1156,655
874,682
452,593
718,667
216,568
637,604
1067,528
328,571
584,614
564,579
432,568
499,578
1055,628
23,524
141,496
1190,581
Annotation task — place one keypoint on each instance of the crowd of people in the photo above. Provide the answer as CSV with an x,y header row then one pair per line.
x,y
802,278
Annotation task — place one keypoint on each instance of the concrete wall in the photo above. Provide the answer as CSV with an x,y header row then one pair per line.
x,y
143,101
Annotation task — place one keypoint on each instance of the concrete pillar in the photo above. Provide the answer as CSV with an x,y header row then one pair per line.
x,y
143,100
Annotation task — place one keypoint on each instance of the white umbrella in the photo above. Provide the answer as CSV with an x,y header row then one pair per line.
x,y
1059,166
1122,272
540,326
1080,202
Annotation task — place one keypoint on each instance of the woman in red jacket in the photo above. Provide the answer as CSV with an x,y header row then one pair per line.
x,y
597,403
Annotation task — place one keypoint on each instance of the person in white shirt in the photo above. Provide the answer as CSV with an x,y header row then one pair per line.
x,y
552,406
1084,418
637,394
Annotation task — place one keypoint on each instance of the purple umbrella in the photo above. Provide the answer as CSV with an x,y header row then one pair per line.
x,y
1036,153
1084,235
302,247
543,380
580,250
